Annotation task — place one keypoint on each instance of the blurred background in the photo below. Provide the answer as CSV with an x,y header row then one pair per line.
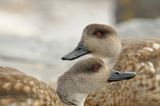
x,y
35,34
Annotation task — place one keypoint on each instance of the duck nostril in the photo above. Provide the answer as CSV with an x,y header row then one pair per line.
x,y
117,73
78,49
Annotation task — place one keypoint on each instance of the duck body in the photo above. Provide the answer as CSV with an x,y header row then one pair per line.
x,y
141,56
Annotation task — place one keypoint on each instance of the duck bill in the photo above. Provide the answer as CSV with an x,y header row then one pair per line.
x,y
79,51
118,76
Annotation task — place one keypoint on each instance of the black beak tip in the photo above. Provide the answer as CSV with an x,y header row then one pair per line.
x,y
63,58
68,58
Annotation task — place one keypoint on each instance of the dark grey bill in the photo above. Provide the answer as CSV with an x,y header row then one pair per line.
x,y
118,76
79,51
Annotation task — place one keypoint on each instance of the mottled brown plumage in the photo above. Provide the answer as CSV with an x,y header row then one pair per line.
x,y
18,89
143,57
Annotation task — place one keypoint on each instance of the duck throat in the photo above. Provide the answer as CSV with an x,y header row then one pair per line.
x,y
72,98
110,62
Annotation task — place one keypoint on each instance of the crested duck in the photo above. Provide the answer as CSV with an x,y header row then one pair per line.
x,y
19,89
141,56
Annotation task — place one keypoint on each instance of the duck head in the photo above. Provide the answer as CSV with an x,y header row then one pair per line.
x,y
84,77
99,40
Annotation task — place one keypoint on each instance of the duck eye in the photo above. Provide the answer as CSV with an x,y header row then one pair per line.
x,y
95,67
99,34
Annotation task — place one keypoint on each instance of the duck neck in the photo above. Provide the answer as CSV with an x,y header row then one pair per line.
x,y
110,62
71,98
112,55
